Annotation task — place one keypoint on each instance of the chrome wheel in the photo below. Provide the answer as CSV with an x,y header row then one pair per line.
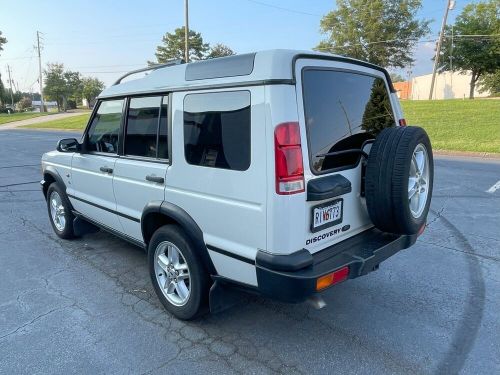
x,y
172,273
57,211
418,181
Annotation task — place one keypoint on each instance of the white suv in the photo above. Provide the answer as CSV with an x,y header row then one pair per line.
x,y
279,172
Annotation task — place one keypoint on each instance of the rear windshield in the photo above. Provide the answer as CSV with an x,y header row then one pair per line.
x,y
342,110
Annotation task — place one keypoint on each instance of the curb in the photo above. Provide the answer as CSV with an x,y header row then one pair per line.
x,y
473,154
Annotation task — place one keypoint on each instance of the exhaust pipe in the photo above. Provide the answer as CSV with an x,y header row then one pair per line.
x,y
316,301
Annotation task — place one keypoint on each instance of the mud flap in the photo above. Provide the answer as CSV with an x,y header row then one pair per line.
x,y
223,297
82,227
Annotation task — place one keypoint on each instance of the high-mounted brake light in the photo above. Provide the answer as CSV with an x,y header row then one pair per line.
x,y
402,122
288,159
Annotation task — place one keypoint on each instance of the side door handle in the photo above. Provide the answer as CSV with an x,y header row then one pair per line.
x,y
106,169
157,179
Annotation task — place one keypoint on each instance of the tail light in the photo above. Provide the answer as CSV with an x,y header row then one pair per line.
x,y
288,159
332,278
402,122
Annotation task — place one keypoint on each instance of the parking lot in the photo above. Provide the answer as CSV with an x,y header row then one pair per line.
x,y
87,306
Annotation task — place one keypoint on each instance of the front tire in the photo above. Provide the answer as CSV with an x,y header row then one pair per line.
x,y
59,209
178,276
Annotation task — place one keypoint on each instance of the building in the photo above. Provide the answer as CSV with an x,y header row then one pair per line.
x,y
448,85
36,104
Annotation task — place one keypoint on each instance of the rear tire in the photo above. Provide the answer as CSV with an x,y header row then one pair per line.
x,y
178,276
59,209
399,180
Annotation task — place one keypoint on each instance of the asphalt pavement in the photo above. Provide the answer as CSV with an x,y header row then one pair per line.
x,y
87,306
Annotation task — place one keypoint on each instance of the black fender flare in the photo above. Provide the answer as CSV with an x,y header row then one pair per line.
x,y
176,215
51,171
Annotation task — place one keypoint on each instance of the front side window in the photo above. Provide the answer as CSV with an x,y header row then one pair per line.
x,y
105,127
342,110
142,126
217,130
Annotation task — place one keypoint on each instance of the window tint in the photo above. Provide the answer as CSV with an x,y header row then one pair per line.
x,y
217,129
163,138
142,126
342,111
105,127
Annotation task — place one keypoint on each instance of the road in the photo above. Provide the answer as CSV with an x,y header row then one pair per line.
x,y
87,306
39,120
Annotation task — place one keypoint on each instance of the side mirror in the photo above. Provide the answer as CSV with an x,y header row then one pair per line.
x,y
68,145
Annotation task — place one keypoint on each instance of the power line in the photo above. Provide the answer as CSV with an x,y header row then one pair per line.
x,y
285,9
15,58
385,41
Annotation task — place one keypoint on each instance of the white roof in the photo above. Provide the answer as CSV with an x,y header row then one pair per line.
x,y
260,66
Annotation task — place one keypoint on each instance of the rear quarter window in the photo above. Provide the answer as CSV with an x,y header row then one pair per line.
x,y
342,111
217,130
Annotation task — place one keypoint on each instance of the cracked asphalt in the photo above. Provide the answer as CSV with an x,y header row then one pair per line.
x,y
87,306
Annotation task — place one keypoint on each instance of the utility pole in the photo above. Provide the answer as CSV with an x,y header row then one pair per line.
x,y
451,59
449,6
186,31
10,83
42,106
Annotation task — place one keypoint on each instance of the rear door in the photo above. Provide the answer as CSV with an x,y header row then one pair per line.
x,y
140,172
342,108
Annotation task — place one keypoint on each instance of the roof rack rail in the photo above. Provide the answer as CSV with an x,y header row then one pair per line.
x,y
152,67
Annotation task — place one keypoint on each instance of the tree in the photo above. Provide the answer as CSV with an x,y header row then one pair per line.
x,y
24,103
490,82
3,40
173,46
219,50
383,32
479,54
396,77
91,88
60,85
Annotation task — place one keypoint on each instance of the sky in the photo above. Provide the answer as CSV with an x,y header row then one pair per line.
x,y
106,38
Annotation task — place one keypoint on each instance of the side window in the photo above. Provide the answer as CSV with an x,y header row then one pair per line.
x,y
142,126
217,130
163,137
105,127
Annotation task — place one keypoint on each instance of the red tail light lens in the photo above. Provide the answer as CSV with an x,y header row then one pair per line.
x,y
332,278
288,159
402,122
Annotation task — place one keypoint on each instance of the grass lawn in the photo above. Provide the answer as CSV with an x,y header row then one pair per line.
x,y
453,125
5,118
457,125
70,123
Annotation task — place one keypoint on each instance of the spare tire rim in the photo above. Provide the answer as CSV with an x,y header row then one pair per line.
x,y
172,273
418,181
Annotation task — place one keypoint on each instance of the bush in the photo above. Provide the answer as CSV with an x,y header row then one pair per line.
x,y
71,104
24,103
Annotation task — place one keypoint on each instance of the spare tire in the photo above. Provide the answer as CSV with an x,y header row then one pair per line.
x,y
398,181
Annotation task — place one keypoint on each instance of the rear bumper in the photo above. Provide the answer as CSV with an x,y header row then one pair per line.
x,y
292,278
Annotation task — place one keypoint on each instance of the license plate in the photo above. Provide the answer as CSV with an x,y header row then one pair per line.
x,y
326,215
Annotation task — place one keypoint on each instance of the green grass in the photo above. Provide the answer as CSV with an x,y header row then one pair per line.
x,y
70,123
457,125
453,125
6,118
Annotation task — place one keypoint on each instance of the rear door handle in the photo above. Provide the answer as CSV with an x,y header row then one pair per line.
x,y
157,179
106,169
